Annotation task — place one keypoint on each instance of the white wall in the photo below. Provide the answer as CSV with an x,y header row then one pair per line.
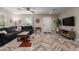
x,y
11,18
72,12
7,17
40,17
37,16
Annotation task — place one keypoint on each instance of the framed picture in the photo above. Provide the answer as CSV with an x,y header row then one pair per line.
x,y
37,21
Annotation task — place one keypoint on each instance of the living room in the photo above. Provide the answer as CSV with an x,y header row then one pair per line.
x,y
43,26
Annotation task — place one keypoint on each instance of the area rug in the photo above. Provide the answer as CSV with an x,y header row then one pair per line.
x,y
27,43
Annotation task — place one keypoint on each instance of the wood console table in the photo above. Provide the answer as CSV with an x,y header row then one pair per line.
x,y
67,33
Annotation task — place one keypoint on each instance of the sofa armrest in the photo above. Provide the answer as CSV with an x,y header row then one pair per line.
x,y
2,35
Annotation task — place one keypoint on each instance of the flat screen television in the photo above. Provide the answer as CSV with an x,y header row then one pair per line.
x,y
69,21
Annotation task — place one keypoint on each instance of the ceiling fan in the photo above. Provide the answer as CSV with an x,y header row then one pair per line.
x,y
29,9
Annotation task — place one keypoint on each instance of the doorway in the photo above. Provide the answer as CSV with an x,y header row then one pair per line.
x,y
46,25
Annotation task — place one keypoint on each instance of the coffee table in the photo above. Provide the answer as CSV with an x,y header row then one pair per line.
x,y
23,35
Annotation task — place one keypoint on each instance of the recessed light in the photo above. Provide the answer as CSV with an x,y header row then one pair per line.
x,y
50,12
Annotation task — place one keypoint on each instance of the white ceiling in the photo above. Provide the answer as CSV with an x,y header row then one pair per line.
x,y
37,10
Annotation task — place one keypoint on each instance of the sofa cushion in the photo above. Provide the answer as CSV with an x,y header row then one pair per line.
x,y
3,31
10,29
10,34
0,31
2,35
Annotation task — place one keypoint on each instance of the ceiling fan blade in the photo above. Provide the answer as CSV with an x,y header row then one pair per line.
x,y
32,11
28,9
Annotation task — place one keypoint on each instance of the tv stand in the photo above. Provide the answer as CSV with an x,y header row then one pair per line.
x,y
67,33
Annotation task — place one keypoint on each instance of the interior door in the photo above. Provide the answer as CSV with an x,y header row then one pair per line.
x,y
46,24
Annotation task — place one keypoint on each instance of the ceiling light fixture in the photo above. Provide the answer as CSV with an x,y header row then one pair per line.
x,y
50,12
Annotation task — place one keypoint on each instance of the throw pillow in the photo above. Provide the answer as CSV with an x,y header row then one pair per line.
x,y
18,28
4,32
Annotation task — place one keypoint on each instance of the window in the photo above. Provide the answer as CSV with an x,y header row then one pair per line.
x,y
27,20
2,21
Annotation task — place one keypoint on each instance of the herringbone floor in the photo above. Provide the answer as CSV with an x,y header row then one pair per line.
x,y
44,42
